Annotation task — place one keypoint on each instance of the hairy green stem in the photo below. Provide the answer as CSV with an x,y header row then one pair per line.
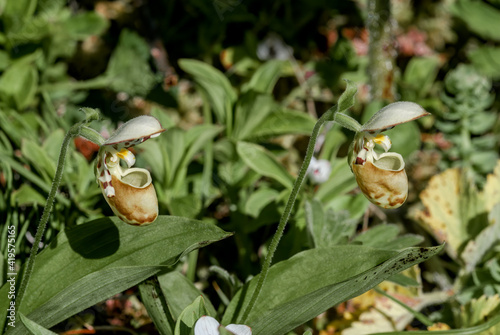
x,y
328,116
72,132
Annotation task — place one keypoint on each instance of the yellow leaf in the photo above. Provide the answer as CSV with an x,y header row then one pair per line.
x,y
492,188
441,215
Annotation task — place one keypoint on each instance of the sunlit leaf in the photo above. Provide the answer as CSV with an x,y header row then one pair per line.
x,y
326,277
263,162
100,258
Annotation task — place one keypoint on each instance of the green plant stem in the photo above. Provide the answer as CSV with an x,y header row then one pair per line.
x,y
328,116
72,132
381,48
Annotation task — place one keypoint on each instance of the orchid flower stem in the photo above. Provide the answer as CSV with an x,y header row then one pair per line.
x,y
328,116
74,131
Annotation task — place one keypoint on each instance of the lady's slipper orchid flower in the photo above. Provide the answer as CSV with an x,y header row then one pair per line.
x,y
207,325
382,177
319,170
128,191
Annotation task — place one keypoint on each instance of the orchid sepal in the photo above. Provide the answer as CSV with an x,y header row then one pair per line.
x,y
392,115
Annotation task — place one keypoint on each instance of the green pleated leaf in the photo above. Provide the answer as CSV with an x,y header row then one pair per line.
x,y
180,292
484,59
262,161
128,68
86,264
251,110
284,121
156,306
266,76
86,292
195,140
215,85
326,277
82,25
18,84
33,327
480,17
189,316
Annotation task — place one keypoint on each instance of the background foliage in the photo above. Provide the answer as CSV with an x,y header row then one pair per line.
x,y
239,86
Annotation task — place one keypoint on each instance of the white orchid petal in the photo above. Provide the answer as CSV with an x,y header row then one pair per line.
x,y
394,114
135,131
127,156
384,141
206,325
320,171
239,329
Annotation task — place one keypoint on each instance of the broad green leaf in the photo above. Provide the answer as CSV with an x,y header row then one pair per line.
x,y
484,161
195,140
128,68
174,144
487,238
419,76
481,122
25,173
39,159
82,25
259,199
180,292
263,162
156,306
377,236
266,76
4,58
251,110
284,121
86,292
326,277
17,13
52,144
216,87
355,204
484,59
189,316
187,206
33,327
328,228
18,84
108,243
340,182
385,236
26,196
480,17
